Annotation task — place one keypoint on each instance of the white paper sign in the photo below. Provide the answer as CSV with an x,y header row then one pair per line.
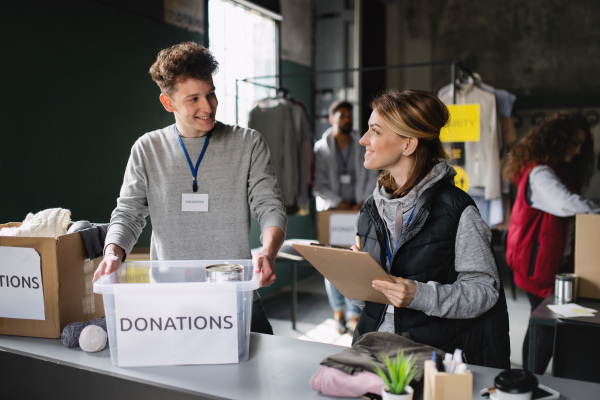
x,y
21,290
342,229
194,202
174,324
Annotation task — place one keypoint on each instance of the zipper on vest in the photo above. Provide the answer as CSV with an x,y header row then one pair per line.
x,y
379,230
382,319
533,259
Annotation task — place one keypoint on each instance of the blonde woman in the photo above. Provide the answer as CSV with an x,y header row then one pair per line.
x,y
428,234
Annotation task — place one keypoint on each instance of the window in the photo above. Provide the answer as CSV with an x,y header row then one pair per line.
x,y
244,42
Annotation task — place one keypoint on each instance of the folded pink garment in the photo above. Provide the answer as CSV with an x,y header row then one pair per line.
x,y
333,382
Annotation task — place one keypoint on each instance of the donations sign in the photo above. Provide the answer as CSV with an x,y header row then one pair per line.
x,y
342,229
174,324
21,290
464,124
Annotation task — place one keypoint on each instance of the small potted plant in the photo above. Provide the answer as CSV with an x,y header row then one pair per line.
x,y
397,376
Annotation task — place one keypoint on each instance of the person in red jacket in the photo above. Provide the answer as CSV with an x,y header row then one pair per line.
x,y
549,166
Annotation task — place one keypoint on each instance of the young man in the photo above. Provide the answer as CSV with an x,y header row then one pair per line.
x,y
343,183
199,180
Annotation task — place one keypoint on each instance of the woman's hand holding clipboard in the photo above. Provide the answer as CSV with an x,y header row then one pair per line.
x,y
351,272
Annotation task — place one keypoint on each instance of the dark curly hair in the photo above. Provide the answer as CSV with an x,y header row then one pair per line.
x,y
549,142
417,114
181,62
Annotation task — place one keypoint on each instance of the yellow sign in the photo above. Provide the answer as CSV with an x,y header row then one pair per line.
x,y
461,179
463,125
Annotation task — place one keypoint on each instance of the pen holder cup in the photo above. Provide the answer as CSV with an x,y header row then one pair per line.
x,y
445,386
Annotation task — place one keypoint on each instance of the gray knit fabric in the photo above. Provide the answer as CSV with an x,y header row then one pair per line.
x,y
369,349
235,173
71,332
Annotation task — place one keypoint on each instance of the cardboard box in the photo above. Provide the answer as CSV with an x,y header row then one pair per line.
x,y
337,227
67,283
587,255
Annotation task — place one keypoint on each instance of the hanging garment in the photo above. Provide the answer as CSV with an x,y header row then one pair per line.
x,y
482,158
303,146
273,118
504,104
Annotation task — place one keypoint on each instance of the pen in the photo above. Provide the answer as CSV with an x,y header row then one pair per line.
x,y
460,368
358,242
448,363
457,356
439,365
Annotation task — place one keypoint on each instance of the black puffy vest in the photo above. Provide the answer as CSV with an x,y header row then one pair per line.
x,y
426,253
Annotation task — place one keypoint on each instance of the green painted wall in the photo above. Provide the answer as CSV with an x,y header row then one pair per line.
x,y
77,96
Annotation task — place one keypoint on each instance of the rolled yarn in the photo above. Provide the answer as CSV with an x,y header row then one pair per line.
x,y
92,339
70,335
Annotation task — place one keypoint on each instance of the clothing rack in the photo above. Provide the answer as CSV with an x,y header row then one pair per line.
x,y
454,66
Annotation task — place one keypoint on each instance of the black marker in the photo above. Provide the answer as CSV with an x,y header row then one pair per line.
x,y
439,365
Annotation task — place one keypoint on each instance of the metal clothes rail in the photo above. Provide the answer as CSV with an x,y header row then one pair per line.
x,y
454,66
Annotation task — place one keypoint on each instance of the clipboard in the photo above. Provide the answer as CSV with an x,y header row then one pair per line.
x,y
351,272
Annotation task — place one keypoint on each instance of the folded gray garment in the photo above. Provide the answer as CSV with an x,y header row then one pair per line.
x,y
93,236
370,347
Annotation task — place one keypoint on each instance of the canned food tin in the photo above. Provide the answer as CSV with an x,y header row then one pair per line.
x,y
225,273
565,288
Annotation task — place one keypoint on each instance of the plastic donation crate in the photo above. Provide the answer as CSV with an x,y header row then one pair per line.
x,y
161,281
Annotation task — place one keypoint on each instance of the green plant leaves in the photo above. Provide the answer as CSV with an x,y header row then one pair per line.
x,y
400,372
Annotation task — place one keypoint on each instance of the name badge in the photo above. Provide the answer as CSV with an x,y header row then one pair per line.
x,y
194,202
345,179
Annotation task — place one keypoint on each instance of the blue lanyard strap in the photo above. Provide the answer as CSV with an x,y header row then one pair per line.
x,y
387,245
345,159
192,168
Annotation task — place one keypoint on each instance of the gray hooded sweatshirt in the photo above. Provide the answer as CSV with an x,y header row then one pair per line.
x,y
476,288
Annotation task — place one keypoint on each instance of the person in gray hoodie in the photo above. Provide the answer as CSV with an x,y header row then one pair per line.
x,y
428,235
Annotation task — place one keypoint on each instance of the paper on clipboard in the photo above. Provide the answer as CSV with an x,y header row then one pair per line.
x,y
351,272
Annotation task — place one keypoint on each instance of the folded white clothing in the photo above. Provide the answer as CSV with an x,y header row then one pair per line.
x,y
52,222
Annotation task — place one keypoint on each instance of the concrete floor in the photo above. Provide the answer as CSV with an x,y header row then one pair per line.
x,y
315,319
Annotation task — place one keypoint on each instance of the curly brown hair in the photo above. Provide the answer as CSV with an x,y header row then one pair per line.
x,y
549,142
418,114
181,62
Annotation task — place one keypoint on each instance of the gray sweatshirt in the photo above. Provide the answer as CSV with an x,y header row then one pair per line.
x,y
235,173
476,288
546,192
327,173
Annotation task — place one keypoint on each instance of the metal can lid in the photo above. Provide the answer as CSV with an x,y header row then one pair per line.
x,y
225,268
566,277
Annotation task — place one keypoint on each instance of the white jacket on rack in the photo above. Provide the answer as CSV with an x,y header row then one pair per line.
x,y
482,158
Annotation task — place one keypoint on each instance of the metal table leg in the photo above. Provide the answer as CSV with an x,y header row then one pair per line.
x,y
294,295
532,358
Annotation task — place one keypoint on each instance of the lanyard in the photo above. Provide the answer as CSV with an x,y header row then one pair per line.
x,y
345,159
192,168
387,246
